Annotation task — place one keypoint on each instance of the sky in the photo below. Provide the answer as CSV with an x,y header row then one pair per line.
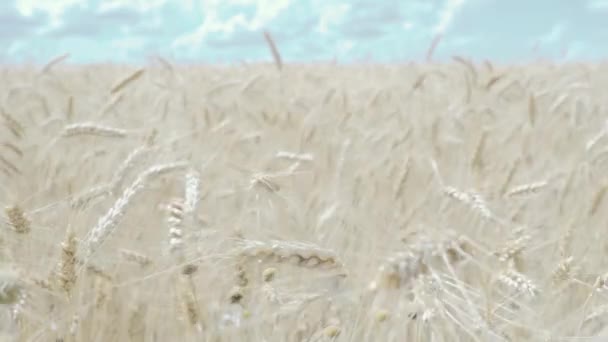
x,y
231,31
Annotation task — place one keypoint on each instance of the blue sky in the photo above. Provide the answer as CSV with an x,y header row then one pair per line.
x,y
230,31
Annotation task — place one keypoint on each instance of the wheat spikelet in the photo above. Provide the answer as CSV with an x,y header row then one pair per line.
x,y
558,103
597,200
275,51
127,80
526,189
192,192
114,101
189,303
331,331
99,272
514,247
166,64
70,110
67,272
93,129
402,268
17,219
433,47
16,128
477,161
400,187
303,157
12,168
135,257
597,313
532,109
493,81
55,61
82,200
468,65
564,271
249,84
14,149
11,286
176,231
472,199
518,282
507,182
133,159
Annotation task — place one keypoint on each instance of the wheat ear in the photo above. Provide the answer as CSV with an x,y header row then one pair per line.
x,y
127,80
55,61
275,51
93,129
107,223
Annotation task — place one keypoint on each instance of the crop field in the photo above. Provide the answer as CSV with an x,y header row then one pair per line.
x,y
453,201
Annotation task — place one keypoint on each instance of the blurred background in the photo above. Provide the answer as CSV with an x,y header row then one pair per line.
x,y
230,31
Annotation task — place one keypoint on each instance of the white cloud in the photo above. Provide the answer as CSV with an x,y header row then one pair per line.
x,y
553,36
265,11
597,5
408,25
331,15
446,15
138,5
54,8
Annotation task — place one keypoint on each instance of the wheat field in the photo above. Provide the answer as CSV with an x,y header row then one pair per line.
x,y
451,201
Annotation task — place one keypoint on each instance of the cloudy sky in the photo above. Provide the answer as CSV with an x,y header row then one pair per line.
x,y
228,31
